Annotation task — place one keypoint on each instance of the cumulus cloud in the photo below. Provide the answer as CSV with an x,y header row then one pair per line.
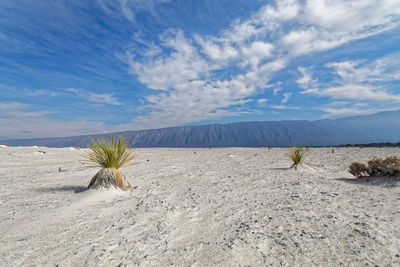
x,y
325,24
185,73
189,91
357,80
362,87
166,72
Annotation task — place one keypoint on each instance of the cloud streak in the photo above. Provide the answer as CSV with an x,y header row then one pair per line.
x,y
104,98
356,80
19,120
359,82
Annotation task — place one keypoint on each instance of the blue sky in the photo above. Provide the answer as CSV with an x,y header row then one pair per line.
x,y
81,67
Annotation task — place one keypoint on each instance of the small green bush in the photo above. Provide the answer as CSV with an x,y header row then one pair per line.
x,y
376,167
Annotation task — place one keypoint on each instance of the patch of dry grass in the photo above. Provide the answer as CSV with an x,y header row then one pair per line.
x,y
297,154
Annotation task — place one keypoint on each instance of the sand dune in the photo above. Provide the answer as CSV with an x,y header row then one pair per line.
x,y
198,207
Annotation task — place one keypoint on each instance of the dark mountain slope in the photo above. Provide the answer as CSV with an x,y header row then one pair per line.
x,y
375,128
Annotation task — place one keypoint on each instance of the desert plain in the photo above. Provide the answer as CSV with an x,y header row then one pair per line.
x,y
198,207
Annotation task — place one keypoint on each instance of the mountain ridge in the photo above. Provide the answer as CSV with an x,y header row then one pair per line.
x,y
374,128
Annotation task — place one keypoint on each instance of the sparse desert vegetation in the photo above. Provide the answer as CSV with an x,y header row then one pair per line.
x,y
376,167
297,154
110,155
218,207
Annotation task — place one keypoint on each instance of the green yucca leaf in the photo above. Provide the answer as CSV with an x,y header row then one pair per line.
x,y
298,153
110,153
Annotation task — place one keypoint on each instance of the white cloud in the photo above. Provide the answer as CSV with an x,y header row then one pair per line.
x,y
286,97
182,65
188,91
18,120
127,10
130,8
283,107
277,88
343,108
104,98
256,52
11,106
351,16
186,78
41,92
217,50
285,10
300,42
306,82
357,80
359,92
384,69
323,24
346,111
262,101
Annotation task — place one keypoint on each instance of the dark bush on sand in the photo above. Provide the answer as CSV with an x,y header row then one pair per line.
x,y
376,167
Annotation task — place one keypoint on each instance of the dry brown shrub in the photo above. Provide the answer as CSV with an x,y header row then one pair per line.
x,y
358,169
376,167
384,167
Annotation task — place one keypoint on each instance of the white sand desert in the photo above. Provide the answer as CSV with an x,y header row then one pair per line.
x,y
198,207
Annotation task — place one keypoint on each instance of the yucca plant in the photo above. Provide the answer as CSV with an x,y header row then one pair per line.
x,y
110,155
297,154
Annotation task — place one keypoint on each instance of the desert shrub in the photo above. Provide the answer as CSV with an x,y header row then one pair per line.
x,y
297,154
376,167
332,150
384,167
358,169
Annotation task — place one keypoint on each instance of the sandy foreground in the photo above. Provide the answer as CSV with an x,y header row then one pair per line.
x,y
198,207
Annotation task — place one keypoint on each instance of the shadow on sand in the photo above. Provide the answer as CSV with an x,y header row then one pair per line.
x,y
373,181
279,169
76,189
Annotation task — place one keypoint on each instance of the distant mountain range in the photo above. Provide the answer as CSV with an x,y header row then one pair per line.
x,y
376,128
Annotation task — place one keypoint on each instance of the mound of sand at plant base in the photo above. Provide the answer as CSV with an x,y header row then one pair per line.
x,y
304,167
200,207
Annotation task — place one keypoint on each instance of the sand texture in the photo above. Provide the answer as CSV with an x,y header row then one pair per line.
x,y
198,207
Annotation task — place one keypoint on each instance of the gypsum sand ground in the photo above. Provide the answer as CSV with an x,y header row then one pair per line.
x,y
198,207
